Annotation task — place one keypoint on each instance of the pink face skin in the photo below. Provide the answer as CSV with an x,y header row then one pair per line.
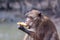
x,y
29,21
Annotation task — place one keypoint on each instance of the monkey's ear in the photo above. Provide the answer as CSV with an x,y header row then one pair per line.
x,y
39,14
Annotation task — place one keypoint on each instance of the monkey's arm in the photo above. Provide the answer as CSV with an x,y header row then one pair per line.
x,y
30,33
24,29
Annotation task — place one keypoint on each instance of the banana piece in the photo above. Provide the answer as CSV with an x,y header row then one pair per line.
x,y
23,24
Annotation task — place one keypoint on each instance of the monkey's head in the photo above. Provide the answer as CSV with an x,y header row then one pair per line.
x,y
31,16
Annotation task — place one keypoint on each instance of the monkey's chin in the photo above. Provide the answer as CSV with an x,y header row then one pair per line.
x,y
23,24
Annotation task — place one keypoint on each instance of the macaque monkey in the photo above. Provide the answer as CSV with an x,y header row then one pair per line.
x,y
40,27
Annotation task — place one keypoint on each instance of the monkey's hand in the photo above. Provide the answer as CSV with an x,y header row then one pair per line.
x,y
20,27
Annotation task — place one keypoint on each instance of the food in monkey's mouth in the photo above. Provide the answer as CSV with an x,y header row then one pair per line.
x,y
22,23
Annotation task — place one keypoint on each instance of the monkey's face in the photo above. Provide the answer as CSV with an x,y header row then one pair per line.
x,y
29,21
31,16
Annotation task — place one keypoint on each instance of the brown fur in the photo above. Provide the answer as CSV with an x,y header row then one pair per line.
x,y
44,29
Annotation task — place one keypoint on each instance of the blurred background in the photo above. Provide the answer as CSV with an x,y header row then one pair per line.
x,y
12,11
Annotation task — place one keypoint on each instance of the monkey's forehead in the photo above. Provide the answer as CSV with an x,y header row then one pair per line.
x,y
33,13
